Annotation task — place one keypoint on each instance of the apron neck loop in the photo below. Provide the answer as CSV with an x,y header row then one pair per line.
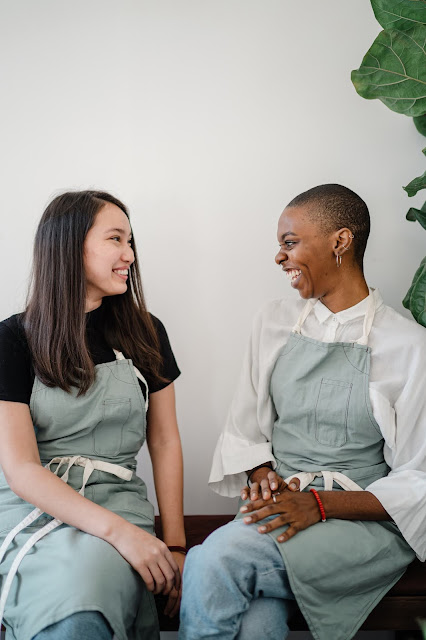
x,y
304,314
368,318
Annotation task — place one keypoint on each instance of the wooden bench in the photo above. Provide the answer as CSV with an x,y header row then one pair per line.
x,y
398,610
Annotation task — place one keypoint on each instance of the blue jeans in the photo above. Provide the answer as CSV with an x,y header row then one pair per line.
x,y
235,585
84,625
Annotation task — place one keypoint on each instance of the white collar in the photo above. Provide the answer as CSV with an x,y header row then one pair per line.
x,y
322,313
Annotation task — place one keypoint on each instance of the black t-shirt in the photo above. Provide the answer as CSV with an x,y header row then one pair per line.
x,y
17,374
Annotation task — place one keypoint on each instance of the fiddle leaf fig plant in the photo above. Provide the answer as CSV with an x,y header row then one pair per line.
x,y
399,15
394,71
417,214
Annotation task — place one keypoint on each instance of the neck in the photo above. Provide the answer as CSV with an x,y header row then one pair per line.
x,y
349,292
91,305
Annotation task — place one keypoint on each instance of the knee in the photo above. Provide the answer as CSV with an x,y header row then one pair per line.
x,y
83,625
224,550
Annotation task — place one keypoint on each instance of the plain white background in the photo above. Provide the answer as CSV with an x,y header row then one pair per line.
x,y
205,117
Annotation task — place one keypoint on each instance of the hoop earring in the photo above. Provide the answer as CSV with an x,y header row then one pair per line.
x,y
338,260
351,236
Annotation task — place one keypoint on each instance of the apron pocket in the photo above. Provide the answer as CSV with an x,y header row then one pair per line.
x,y
331,412
107,437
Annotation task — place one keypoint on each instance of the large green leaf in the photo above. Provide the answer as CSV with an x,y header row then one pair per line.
x,y
417,214
415,300
399,14
394,71
420,123
416,185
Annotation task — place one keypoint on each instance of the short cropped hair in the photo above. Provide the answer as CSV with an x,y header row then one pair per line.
x,y
334,207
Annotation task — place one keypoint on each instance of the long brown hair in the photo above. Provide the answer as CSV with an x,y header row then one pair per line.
x,y
55,319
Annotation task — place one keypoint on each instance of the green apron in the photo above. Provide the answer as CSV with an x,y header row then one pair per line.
x,y
94,439
325,433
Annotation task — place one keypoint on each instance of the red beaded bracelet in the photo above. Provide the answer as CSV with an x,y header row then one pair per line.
x,y
320,504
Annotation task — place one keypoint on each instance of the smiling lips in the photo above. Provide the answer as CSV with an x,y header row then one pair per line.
x,y
122,273
292,274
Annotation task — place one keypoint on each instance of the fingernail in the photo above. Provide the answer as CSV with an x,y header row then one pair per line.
x,y
262,529
280,538
244,509
292,485
253,496
248,519
265,494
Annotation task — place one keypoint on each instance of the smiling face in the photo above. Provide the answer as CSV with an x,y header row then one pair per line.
x,y
108,255
307,254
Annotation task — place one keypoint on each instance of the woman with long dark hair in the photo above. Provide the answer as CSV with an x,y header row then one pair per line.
x,y
78,371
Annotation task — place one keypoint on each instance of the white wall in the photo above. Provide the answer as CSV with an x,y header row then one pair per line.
x,y
206,117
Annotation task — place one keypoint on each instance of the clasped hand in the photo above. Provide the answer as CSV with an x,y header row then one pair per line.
x,y
272,496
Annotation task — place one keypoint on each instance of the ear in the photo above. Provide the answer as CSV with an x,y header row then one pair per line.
x,y
342,241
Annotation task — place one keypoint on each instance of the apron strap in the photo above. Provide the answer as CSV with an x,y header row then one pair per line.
x,y
89,466
304,314
20,556
120,356
368,318
307,477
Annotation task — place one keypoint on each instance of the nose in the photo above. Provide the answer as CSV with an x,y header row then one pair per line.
x,y
280,257
128,254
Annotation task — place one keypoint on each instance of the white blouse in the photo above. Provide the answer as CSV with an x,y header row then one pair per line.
x,y
397,392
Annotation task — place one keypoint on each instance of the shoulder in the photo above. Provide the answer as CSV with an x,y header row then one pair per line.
x,y
281,312
12,331
159,326
402,332
169,368
16,371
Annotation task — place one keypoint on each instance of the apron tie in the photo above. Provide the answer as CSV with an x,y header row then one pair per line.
x,y
306,477
89,465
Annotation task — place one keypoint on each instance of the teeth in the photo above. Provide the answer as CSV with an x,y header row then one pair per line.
x,y
122,272
292,274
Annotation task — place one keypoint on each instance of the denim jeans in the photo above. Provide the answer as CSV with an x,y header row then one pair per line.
x,y
84,625
235,585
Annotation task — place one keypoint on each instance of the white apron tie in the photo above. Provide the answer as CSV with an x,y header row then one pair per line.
x,y
306,477
89,465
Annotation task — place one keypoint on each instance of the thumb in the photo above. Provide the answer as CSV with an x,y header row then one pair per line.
x,y
294,484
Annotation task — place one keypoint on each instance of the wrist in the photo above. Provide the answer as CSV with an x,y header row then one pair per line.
x,y
178,549
258,475
114,528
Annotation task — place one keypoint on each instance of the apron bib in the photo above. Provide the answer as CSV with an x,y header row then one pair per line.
x,y
326,435
50,570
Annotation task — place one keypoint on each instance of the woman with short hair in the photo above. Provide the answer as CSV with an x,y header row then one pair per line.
x,y
329,425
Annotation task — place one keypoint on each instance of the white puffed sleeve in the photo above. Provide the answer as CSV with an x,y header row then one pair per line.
x,y
403,492
245,441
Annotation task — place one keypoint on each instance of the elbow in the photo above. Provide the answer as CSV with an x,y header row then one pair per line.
x,y
19,479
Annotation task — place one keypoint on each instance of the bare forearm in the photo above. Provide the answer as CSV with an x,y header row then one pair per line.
x,y
42,488
352,505
167,467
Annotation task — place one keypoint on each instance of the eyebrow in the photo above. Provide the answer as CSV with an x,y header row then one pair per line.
x,y
122,231
287,233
